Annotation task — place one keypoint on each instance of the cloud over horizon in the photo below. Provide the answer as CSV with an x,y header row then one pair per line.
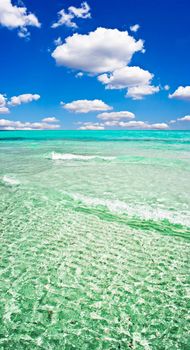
x,y
134,125
116,115
6,124
91,126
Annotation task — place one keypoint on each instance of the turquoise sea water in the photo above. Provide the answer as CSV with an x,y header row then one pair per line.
x,y
94,240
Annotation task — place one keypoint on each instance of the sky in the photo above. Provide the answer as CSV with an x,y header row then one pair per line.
x,y
94,65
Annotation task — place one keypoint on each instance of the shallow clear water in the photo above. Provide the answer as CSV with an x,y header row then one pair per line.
x,y
94,235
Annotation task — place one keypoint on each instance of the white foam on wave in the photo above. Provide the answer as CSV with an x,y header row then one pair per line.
x,y
69,156
143,211
9,181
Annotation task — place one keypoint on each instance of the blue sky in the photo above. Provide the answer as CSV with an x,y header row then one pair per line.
x,y
116,68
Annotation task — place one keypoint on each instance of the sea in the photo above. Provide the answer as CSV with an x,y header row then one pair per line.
x,y
95,240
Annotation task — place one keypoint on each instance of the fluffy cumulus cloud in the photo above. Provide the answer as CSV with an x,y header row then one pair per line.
x,y
24,98
103,50
92,126
2,100
50,120
116,115
185,119
140,91
135,28
66,18
4,110
6,124
181,93
107,53
15,101
85,106
126,77
12,16
3,107
136,80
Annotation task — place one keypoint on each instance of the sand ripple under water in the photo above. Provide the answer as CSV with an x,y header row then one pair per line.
x,y
94,256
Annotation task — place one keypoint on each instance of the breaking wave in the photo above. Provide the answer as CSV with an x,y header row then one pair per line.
x,y
145,212
9,181
69,156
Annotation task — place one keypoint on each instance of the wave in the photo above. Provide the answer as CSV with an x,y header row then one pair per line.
x,y
145,212
9,181
69,156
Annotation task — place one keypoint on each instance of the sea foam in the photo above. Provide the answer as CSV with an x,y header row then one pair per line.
x,y
69,156
9,181
143,211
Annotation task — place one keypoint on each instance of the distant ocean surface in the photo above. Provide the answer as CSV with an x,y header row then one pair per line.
x,y
94,240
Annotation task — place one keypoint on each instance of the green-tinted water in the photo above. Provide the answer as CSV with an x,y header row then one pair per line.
x,y
94,240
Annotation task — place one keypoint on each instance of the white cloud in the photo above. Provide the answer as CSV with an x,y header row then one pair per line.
x,y
116,115
24,98
92,126
4,110
126,77
136,125
79,75
73,12
103,50
159,126
122,124
107,51
58,41
15,101
12,16
135,79
24,33
64,19
2,100
133,124
81,12
6,124
50,120
185,119
139,92
135,28
166,87
182,93
112,123
85,106
3,107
